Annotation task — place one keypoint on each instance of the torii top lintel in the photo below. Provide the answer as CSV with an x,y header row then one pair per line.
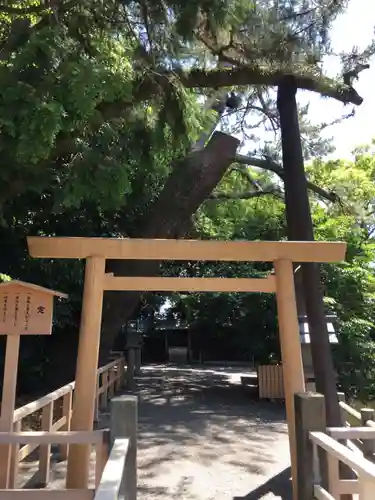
x,y
170,249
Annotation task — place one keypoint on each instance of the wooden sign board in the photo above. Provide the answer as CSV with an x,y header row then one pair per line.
x,y
25,309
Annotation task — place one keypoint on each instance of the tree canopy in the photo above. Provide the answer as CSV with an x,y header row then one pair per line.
x,y
100,105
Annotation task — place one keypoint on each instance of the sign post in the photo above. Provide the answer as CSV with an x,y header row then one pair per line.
x,y
25,309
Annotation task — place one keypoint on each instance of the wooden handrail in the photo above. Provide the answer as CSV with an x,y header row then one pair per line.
x,y
352,432
109,378
38,404
40,494
321,494
113,472
108,366
354,413
342,453
41,437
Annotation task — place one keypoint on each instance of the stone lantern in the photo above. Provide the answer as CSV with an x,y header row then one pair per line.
x,y
306,346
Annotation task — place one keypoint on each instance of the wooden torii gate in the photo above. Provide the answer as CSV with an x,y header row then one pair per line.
x,y
97,250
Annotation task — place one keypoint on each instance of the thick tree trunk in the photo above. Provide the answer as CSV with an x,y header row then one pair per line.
x,y
188,186
300,227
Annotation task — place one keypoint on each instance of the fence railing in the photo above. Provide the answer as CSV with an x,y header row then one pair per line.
x,y
119,478
364,485
55,411
99,439
333,461
270,382
353,419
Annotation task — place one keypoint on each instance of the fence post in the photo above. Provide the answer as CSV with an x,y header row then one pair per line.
x,y
366,487
118,376
368,444
104,399
111,382
67,413
96,411
14,459
45,449
123,423
101,457
130,369
341,396
310,416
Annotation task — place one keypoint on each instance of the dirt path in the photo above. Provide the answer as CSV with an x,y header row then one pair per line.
x,y
202,437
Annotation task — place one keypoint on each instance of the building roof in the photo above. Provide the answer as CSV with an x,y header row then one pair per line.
x,y
31,286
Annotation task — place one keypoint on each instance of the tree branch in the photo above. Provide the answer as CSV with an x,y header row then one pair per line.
x,y
247,195
257,75
245,173
268,164
156,84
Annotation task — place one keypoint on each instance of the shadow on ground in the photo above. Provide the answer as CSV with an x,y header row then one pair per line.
x,y
202,435
280,486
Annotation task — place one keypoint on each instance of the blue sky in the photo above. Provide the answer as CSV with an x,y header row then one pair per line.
x,y
355,27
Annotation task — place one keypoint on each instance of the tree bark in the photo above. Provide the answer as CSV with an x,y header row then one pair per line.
x,y
188,186
300,228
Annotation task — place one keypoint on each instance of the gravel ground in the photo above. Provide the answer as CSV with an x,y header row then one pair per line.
x,y
202,436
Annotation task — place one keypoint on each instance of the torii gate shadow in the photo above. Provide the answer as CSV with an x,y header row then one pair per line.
x,y
280,486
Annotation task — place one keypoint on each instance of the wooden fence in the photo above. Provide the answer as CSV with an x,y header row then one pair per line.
x,y
55,411
364,485
322,452
270,382
115,471
44,440
354,419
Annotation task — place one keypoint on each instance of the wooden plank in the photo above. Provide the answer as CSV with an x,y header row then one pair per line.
x,y
321,494
101,457
349,486
123,425
270,382
261,382
310,415
8,403
166,284
366,487
65,425
354,413
33,406
333,476
44,437
341,452
26,450
110,483
351,432
36,405
31,286
41,494
158,249
45,449
14,460
110,365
